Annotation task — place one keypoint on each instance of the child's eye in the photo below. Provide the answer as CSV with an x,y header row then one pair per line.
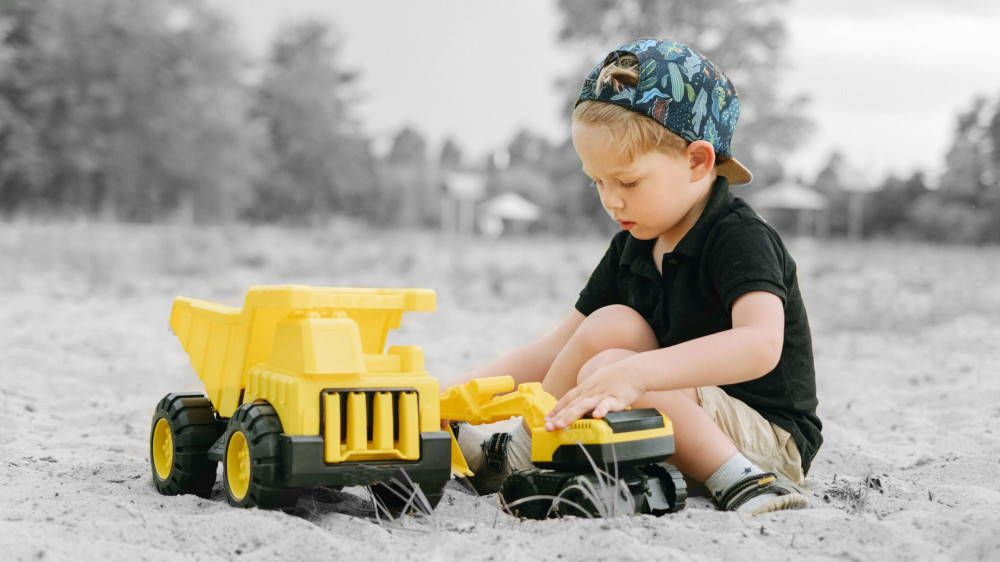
x,y
629,184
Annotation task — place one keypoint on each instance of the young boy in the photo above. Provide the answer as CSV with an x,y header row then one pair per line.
x,y
694,310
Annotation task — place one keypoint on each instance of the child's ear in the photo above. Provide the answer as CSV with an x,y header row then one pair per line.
x,y
701,155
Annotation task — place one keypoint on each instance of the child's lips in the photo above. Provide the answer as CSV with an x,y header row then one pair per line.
x,y
626,225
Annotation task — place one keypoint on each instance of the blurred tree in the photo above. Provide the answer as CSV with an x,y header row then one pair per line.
x,y
830,182
19,159
890,207
318,159
970,165
941,218
744,37
992,137
966,207
451,155
412,195
550,175
527,149
580,200
408,147
528,171
134,108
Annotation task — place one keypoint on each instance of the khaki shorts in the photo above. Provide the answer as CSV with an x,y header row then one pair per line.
x,y
765,444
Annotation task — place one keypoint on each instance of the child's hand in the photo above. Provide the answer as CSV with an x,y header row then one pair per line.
x,y
605,391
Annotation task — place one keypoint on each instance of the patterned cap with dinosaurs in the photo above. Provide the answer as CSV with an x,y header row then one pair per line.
x,y
683,91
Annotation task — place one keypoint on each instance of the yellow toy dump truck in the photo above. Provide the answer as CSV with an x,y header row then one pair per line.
x,y
301,392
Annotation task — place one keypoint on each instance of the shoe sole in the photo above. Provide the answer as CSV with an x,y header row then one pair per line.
x,y
788,501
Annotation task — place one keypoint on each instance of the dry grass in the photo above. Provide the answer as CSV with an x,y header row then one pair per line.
x,y
853,495
878,286
90,258
605,493
894,286
401,498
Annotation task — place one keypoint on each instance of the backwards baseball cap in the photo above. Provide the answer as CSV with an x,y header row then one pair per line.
x,y
683,91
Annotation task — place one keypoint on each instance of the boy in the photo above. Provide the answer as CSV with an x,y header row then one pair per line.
x,y
695,308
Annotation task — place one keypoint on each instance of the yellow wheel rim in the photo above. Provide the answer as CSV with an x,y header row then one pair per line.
x,y
238,465
163,449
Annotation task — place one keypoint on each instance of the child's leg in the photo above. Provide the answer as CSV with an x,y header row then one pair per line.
x,y
612,327
614,333
703,451
700,446
512,451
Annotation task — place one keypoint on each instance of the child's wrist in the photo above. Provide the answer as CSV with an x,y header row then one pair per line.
x,y
639,374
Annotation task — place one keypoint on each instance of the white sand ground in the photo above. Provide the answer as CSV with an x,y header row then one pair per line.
x,y
906,347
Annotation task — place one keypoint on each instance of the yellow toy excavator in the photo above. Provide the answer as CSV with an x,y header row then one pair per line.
x,y
300,392
621,456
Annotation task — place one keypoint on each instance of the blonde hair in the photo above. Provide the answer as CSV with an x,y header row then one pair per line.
x,y
634,133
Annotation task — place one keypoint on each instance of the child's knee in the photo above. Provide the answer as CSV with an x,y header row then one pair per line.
x,y
674,403
601,359
617,327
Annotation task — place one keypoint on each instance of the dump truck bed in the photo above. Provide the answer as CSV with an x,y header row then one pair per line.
x,y
224,342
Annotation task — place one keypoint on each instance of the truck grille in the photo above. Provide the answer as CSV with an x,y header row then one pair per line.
x,y
368,424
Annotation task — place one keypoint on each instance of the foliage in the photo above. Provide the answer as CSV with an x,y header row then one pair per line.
x,y
831,181
550,176
962,209
410,191
147,110
451,155
408,147
889,212
317,160
125,109
142,110
966,206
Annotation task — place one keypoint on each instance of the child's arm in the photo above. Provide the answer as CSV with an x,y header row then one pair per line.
x,y
748,351
530,362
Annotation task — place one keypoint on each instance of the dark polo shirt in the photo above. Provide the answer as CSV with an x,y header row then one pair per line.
x,y
729,252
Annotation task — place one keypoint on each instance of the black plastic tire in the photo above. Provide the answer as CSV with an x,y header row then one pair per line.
x,y
516,491
673,484
532,493
257,483
396,494
184,427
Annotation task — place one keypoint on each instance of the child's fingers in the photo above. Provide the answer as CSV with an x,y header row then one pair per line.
x,y
562,402
608,404
572,412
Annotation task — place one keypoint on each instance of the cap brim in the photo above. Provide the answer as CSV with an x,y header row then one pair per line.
x,y
736,173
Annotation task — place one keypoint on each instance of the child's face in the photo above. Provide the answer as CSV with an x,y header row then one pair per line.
x,y
653,196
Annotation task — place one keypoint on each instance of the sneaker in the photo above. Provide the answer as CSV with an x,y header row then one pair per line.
x,y
739,496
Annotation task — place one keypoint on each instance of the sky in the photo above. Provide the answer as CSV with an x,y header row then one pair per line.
x,y
885,78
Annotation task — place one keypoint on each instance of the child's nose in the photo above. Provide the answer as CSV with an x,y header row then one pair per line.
x,y
611,200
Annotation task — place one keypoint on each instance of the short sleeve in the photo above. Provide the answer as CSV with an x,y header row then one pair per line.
x,y
602,287
744,257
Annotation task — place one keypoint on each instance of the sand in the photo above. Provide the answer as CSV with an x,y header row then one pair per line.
x,y
905,339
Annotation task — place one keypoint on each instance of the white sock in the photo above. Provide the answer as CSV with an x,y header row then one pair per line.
x,y
737,468
471,440
519,449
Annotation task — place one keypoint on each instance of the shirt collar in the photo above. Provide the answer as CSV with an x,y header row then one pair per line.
x,y
718,203
690,245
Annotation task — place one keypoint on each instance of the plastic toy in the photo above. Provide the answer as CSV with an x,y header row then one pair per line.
x,y
301,392
629,446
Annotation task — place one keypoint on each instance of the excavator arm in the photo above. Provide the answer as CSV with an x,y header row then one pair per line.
x,y
476,402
